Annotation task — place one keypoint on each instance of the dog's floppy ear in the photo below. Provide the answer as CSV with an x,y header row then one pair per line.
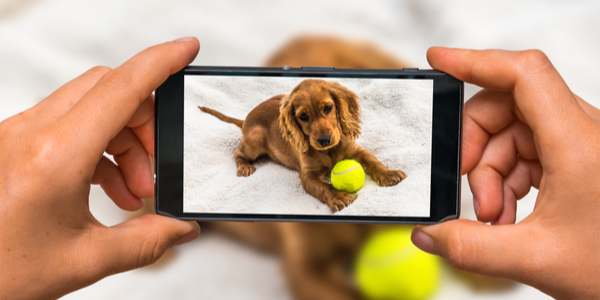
x,y
348,110
290,130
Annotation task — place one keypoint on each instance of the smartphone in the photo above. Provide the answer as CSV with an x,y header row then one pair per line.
x,y
259,144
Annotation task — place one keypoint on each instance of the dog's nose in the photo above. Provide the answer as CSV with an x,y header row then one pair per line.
x,y
324,140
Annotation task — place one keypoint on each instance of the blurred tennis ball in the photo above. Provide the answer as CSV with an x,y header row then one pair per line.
x,y
348,176
389,266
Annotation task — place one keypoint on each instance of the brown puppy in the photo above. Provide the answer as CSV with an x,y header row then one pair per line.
x,y
309,130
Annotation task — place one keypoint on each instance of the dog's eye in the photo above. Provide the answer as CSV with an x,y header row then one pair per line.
x,y
327,109
303,117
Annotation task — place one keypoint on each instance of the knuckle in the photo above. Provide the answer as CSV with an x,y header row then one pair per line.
x,y
148,252
534,59
41,151
152,249
29,158
454,251
100,70
118,79
461,251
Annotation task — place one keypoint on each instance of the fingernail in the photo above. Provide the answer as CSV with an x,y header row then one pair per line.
x,y
423,241
476,206
141,204
184,39
188,237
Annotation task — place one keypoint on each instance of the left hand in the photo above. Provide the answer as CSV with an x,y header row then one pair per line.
x,y
50,244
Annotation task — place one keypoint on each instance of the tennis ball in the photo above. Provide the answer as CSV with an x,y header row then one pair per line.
x,y
348,176
389,266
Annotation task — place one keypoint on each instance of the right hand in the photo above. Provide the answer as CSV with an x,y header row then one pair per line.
x,y
525,128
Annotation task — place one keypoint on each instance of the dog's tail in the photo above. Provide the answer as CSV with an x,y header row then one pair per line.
x,y
237,122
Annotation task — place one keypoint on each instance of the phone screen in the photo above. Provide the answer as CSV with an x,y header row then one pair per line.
x,y
396,127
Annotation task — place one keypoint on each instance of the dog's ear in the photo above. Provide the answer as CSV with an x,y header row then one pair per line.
x,y
290,129
348,110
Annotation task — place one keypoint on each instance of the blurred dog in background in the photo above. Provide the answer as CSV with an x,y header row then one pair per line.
x,y
318,257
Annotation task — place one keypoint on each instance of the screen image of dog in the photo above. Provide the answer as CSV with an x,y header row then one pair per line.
x,y
309,130
280,160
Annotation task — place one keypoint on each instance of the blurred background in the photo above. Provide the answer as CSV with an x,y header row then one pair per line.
x,y
46,43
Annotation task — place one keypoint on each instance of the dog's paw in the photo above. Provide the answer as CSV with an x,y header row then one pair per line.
x,y
245,170
340,200
390,178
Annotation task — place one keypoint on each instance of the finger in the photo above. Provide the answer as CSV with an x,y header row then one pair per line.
x,y
139,242
145,134
111,103
61,101
144,113
499,158
133,161
508,214
475,247
142,124
110,178
486,113
589,109
539,91
516,185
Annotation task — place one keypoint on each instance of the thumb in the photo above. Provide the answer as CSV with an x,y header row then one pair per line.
x,y
476,247
142,241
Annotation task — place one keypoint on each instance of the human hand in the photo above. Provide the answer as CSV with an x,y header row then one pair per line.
x,y
50,244
524,129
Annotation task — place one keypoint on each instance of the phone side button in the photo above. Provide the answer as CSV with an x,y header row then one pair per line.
x,y
410,69
316,68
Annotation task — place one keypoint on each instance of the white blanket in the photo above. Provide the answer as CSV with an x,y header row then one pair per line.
x,y
45,43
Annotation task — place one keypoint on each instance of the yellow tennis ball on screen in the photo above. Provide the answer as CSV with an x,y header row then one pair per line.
x,y
348,176
389,266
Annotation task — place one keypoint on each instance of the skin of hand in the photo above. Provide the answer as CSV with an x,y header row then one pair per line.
x,y
525,128
50,244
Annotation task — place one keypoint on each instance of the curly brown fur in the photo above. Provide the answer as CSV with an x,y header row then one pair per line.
x,y
309,130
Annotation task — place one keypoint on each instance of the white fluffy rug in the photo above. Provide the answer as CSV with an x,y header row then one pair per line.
x,y
396,128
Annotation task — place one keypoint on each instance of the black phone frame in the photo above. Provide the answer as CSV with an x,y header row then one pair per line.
x,y
448,99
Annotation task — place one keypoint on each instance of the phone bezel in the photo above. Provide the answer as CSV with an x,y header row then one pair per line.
x,y
448,94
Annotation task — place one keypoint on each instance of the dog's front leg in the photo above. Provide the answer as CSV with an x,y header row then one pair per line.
x,y
380,173
314,184
308,259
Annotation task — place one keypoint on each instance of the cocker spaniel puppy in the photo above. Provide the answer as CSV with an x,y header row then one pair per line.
x,y
309,130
